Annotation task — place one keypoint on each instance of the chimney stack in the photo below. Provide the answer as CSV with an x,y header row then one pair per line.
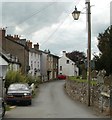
x,y
64,53
36,46
16,37
29,44
2,33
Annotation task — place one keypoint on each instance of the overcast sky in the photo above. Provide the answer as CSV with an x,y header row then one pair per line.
x,y
50,23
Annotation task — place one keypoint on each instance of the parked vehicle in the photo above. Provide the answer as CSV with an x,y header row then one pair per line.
x,y
19,92
61,76
2,107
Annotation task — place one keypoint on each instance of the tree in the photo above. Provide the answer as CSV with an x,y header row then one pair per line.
x,y
104,60
79,58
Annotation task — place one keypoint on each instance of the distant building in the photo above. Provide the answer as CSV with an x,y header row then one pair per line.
x,y
34,59
111,13
52,66
67,66
49,66
42,63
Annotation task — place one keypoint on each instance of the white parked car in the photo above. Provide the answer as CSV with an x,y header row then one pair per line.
x,y
19,92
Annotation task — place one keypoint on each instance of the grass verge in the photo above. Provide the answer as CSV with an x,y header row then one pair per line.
x,y
82,80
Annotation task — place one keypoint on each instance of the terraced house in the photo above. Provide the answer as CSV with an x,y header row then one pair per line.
x,y
16,47
33,60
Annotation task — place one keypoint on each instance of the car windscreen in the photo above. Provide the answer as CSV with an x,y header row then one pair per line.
x,y
18,87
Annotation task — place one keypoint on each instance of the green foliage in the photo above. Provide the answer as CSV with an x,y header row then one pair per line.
x,y
76,56
83,71
33,79
82,80
37,81
104,60
30,79
14,77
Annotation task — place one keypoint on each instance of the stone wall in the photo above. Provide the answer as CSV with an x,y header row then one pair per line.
x,y
79,91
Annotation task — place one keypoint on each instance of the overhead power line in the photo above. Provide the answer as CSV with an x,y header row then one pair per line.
x,y
57,27
37,12
32,15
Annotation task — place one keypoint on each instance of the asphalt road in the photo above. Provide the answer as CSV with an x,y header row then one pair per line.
x,y
52,102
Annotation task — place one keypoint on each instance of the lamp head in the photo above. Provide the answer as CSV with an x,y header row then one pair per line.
x,y
76,14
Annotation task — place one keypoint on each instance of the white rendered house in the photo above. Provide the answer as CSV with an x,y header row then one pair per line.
x,y
34,62
67,67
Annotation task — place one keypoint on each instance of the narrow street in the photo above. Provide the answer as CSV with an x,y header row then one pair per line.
x,y
52,102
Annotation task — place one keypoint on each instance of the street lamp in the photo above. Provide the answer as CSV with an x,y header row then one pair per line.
x,y
75,15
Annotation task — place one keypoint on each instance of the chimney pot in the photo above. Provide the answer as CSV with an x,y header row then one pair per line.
x,y
36,46
29,44
2,32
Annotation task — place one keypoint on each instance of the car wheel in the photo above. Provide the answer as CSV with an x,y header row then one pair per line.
x,y
3,110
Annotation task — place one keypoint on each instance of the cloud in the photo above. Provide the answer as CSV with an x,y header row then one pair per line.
x,y
51,24
111,13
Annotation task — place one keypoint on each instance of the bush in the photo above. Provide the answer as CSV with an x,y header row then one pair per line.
x,y
33,79
37,81
14,77
30,79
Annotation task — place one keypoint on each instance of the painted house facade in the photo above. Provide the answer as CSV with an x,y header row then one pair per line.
x,y
43,65
52,66
34,60
67,67
49,66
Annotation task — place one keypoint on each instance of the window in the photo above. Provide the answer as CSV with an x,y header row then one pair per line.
x,y
67,61
60,67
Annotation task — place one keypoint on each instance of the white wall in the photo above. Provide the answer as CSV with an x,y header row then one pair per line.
x,y
34,62
67,69
44,66
3,67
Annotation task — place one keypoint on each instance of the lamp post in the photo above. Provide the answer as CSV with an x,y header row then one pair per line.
x,y
76,15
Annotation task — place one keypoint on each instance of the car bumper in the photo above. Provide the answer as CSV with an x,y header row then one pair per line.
x,y
13,100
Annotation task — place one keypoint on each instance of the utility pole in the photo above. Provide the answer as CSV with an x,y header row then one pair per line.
x,y
75,15
89,49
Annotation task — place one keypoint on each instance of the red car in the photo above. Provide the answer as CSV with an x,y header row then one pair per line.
x,y
61,77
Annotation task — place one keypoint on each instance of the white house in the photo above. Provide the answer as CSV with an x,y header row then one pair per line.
x,y
67,66
34,61
44,66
